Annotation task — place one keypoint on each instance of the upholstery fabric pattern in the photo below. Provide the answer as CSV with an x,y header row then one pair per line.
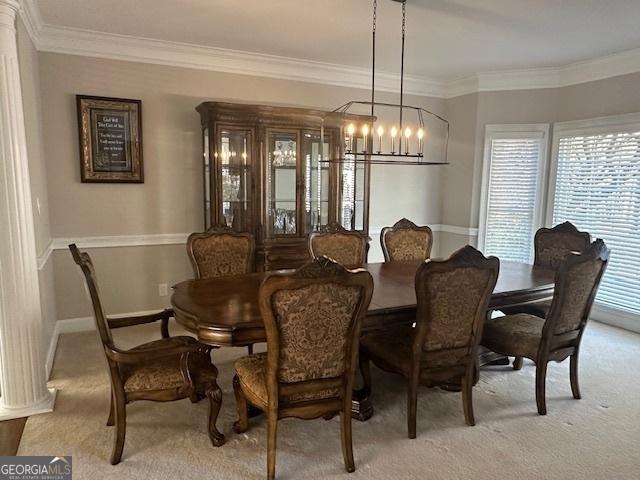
x,y
407,244
165,373
313,323
221,255
518,335
252,371
454,297
579,282
552,248
347,250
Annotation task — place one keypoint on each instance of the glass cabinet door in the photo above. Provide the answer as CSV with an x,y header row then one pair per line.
x,y
207,178
316,181
353,190
282,183
234,152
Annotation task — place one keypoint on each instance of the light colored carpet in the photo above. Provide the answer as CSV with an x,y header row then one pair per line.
x,y
597,437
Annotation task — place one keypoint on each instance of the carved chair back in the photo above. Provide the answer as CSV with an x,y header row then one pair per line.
x,y
453,296
312,319
576,285
406,241
348,248
553,245
220,252
83,260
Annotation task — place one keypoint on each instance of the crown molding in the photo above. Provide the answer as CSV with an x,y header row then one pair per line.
x,y
593,70
75,41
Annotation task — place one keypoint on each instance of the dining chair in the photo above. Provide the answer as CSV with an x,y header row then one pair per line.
x,y
221,252
347,247
406,241
558,336
552,246
441,350
162,370
312,319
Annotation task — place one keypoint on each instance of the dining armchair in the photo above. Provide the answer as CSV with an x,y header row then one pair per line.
x,y
168,369
221,252
441,350
558,336
347,247
551,246
312,319
406,241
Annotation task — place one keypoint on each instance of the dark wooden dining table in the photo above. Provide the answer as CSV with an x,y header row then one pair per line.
x,y
224,311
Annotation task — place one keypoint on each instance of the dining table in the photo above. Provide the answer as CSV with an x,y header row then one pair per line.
x,y
224,311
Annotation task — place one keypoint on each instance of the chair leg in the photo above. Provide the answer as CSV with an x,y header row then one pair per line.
x,y
347,441
541,377
250,349
412,407
517,363
242,424
573,373
215,401
121,426
111,419
467,397
272,432
164,328
365,371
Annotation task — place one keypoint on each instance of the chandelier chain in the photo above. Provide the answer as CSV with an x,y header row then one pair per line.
x,y
404,17
375,14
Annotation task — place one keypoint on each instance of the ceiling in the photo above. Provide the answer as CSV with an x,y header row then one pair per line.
x,y
446,39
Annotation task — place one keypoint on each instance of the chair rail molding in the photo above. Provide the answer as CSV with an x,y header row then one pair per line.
x,y
22,366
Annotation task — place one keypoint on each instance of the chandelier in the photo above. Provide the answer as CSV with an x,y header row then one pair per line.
x,y
405,135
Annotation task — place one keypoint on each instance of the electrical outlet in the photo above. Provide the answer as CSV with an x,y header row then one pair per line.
x,y
163,290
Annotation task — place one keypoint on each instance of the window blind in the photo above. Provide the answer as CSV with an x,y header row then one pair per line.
x,y
597,188
511,217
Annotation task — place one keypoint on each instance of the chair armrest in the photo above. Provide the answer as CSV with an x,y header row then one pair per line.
x,y
166,314
150,354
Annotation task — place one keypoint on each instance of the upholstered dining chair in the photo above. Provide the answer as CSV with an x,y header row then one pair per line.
x,y
551,246
312,319
558,336
162,370
221,252
406,241
441,350
347,247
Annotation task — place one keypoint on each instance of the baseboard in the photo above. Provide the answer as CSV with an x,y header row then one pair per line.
x,y
616,318
79,324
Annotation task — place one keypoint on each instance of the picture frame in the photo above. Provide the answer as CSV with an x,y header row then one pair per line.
x,y
110,135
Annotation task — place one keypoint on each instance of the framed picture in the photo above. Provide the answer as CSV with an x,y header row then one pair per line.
x,y
110,131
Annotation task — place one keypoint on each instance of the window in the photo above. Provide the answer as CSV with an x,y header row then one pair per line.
x,y
595,184
512,183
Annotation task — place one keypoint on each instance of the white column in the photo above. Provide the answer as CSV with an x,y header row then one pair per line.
x,y
23,386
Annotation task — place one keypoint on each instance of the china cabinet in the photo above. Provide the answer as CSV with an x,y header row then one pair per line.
x,y
264,173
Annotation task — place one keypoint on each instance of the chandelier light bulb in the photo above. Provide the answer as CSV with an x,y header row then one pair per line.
x,y
380,130
351,129
420,134
365,130
407,132
394,132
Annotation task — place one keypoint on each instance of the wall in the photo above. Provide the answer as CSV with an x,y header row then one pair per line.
x,y
169,201
30,83
470,114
